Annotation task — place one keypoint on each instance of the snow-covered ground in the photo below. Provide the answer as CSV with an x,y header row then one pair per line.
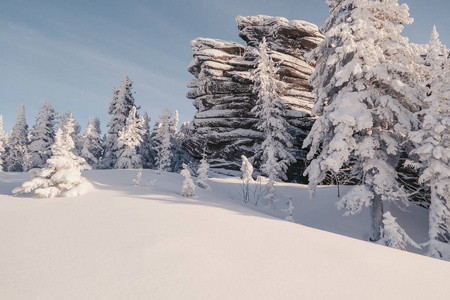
x,y
125,242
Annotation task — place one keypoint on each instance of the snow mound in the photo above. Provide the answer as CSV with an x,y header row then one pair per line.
x,y
82,189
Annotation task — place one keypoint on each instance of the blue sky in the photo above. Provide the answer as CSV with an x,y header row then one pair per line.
x,y
73,53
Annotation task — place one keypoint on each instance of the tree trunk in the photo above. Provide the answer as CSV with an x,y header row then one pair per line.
x,y
376,218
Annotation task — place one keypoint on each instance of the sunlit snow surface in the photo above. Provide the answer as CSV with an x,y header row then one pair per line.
x,y
126,242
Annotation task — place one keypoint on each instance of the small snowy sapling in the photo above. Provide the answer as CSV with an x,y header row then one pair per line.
x,y
188,189
289,211
138,179
394,235
150,184
202,171
247,170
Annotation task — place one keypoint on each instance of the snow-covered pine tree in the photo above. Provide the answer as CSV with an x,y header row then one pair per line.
x,y
145,149
188,189
2,143
62,174
92,148
119,108
395,236
202,172
16,157
42,136
178,137
433,147
270,110
162,141
366,94
130,138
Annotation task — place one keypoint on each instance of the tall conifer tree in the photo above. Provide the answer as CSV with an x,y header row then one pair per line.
x,y
433,147
270,110
92,148
162,141
119,108
129,140
42,136
365,97
17,156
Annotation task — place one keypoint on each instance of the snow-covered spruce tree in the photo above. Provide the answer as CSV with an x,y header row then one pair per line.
x,y
2,143
202,172
16,157
433,147
365,97
270,110
119,108
92,147
130,138
188,189
162,141
42,136
145,149
393,235
180,156
62,174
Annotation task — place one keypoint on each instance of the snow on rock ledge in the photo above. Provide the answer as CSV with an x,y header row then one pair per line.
x,y
222,90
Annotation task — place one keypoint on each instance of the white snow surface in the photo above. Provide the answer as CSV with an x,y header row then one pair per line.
x,y
125,242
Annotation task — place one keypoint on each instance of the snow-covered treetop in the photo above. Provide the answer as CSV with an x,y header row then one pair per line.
x,y
121,105
432,138
92,129
20,130
363,43
45,123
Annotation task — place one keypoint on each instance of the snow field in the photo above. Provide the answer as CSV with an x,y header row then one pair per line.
x,y
126,242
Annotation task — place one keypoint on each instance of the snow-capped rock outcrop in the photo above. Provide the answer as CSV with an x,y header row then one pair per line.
x,y
222,90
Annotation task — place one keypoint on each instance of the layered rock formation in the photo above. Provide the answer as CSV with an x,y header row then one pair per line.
x,y
222,91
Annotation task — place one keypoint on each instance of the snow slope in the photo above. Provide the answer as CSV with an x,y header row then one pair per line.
x,y
126,242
